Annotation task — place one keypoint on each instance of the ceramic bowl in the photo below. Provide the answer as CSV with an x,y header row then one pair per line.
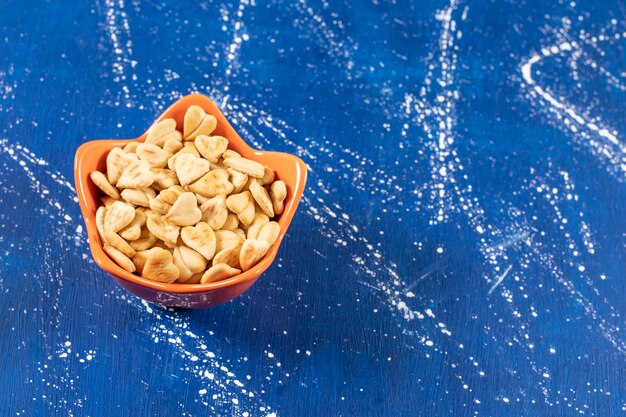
x,y
92,156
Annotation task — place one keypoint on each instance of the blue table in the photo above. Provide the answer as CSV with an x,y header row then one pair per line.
x,y
459,250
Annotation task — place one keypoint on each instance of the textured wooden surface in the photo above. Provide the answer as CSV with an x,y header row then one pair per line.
x,y
459,250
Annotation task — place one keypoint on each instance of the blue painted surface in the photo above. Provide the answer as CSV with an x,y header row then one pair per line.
x,y
459,250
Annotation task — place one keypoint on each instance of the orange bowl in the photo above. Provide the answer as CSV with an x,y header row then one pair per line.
x,y
92,156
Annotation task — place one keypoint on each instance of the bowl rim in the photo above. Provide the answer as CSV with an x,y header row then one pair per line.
x,y
107,264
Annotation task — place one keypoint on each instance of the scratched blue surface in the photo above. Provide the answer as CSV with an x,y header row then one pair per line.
x,y
459,250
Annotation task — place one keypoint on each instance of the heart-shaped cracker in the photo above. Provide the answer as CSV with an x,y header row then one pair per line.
x,y
231,223
226,239
152,154
192,260
214,211
251,252
115,240
162,132
171,163
197,122
195,278
246,216
139,260
211,147
278,193
208,125
185,273
188,168
238,179
228,256
130,233
145,240
131,147
133,230
117,161
262,198
138,196
184,211
239,202
163,202
119,258
193,118
103,183
200,238
241,233
118,216
190,147
160,266
260,219
160,206
247,166
242,205
162,229
189,262
269,232
268,176
213,183
100,215
172,146
219,272
136,175
165,178
170,195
